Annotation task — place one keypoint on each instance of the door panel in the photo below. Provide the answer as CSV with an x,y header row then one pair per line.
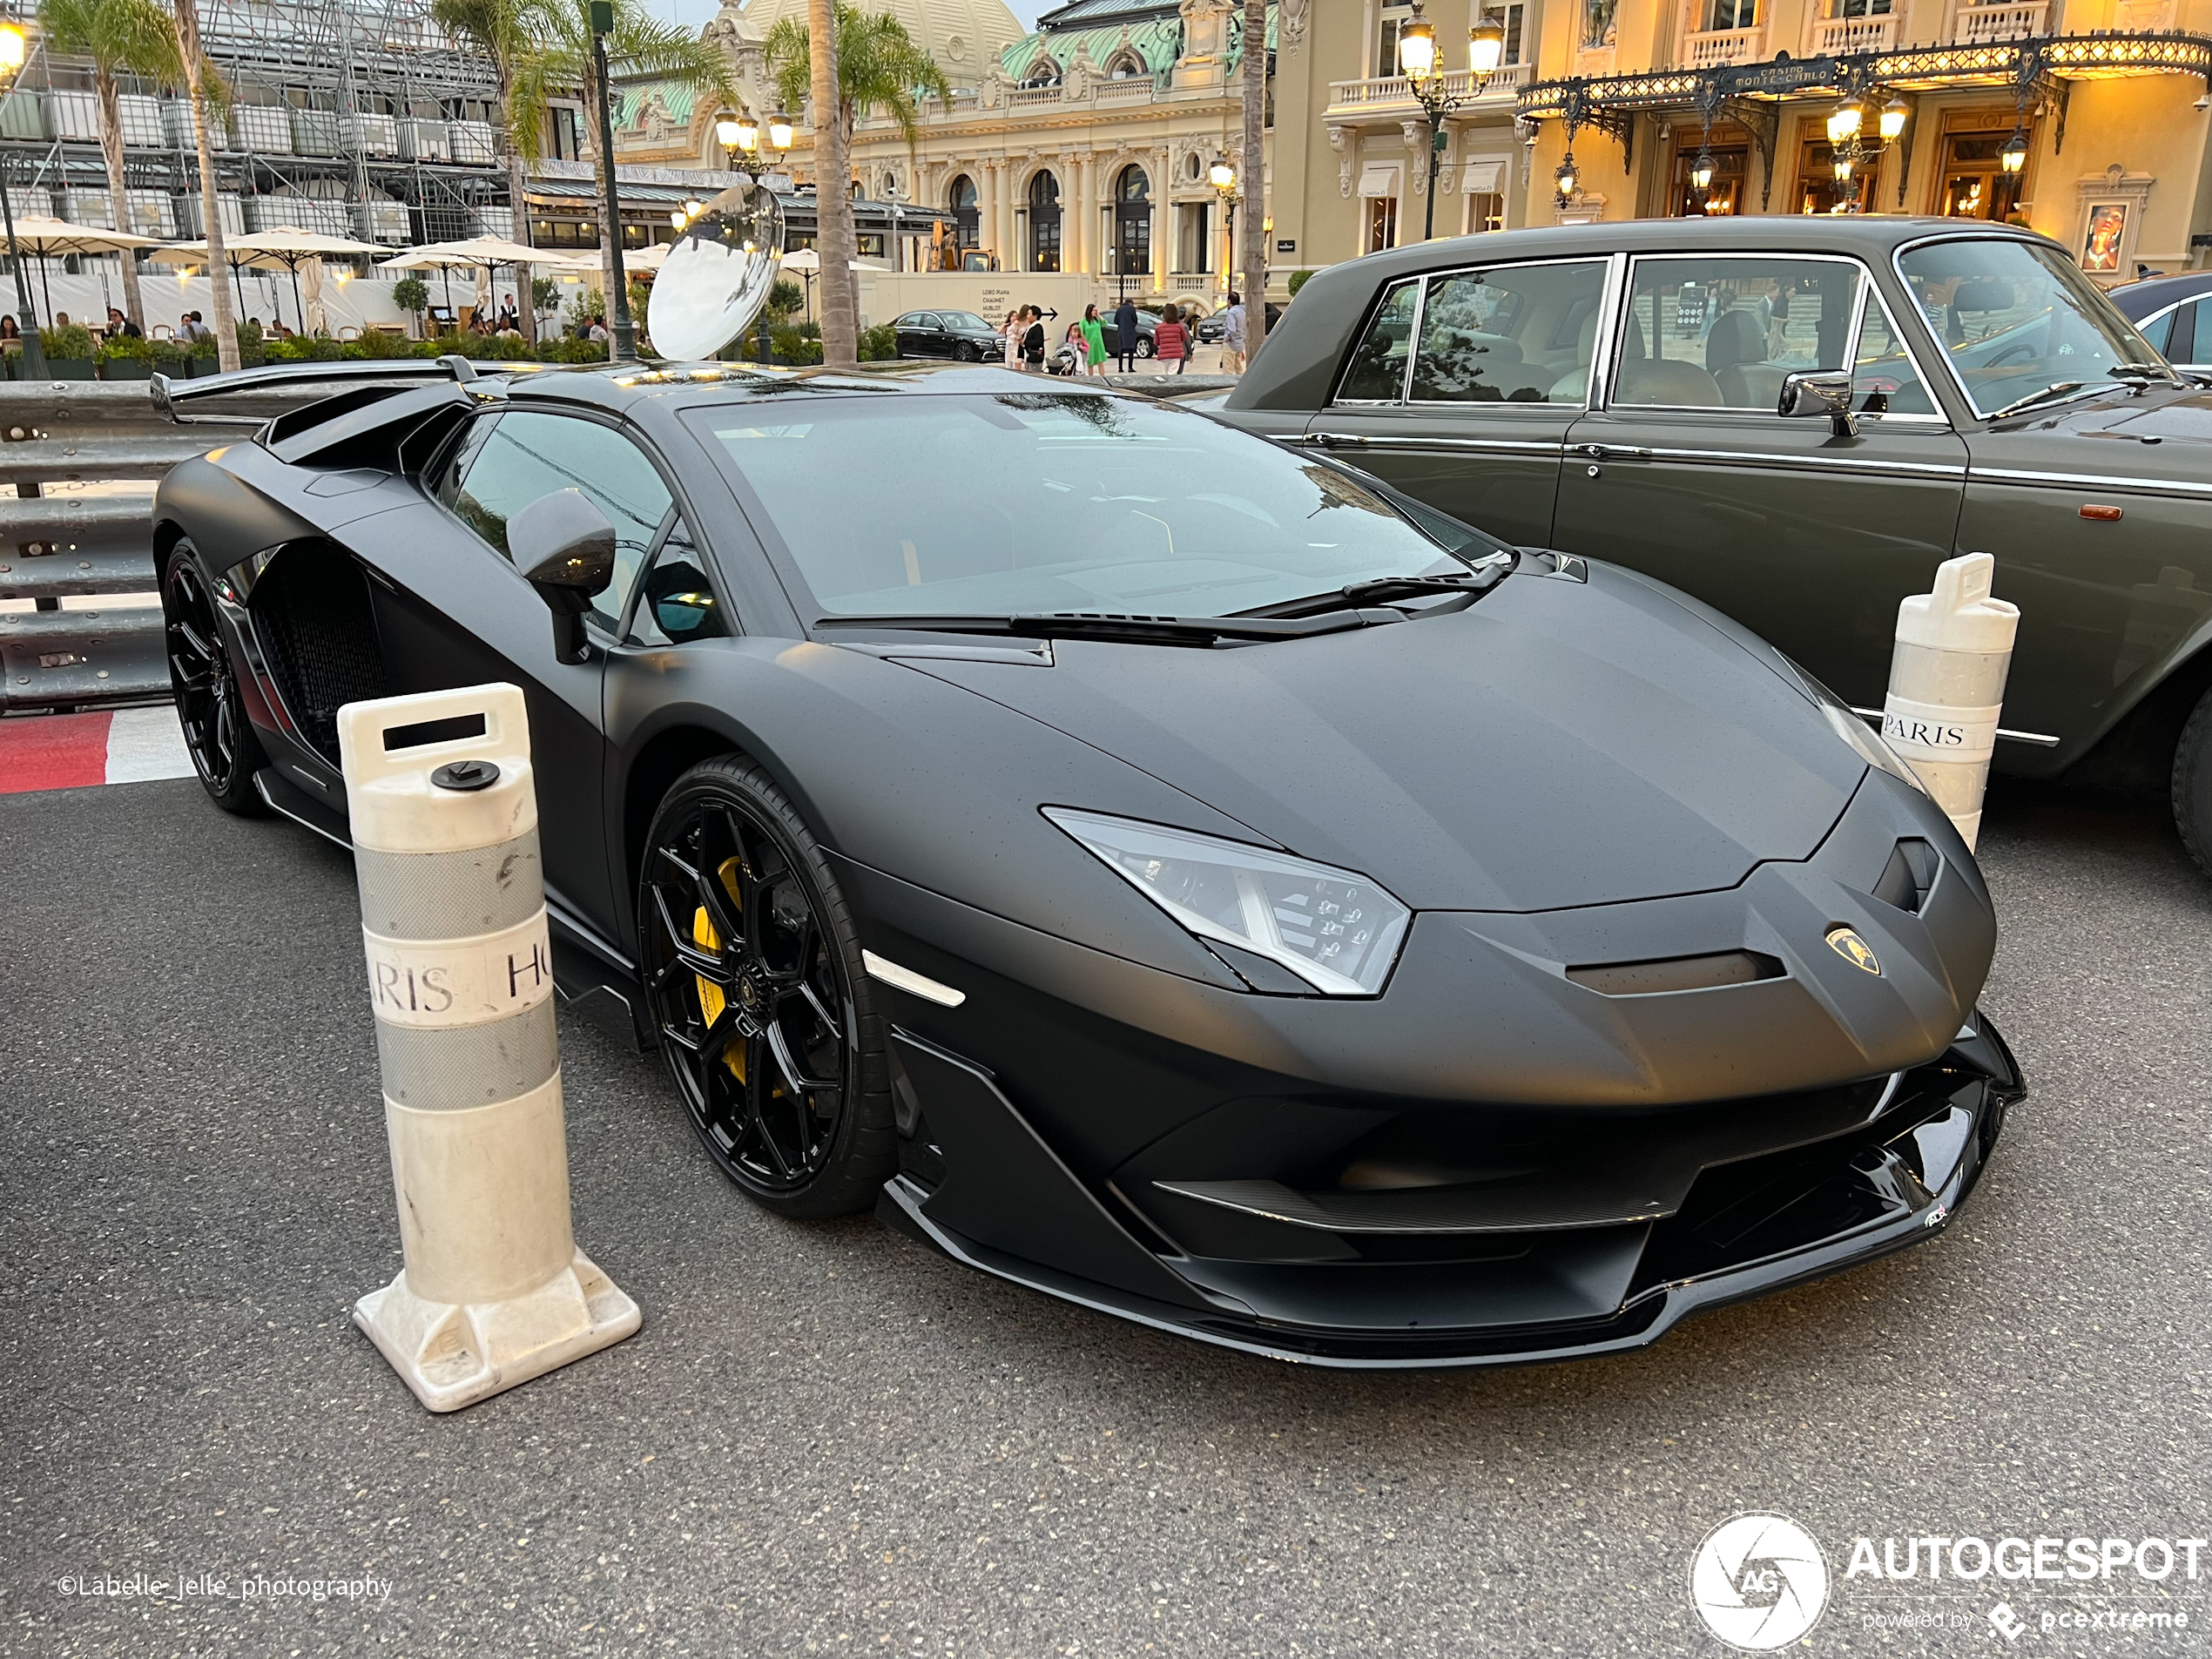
x,y
454,613
1806,539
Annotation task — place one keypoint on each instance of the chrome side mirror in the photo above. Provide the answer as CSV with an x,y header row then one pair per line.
x,y
1808,393
565,548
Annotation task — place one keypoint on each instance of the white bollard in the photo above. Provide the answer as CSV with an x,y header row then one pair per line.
x,y
495,1291
1954,647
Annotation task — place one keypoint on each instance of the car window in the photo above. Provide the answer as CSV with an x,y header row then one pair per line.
x,y
923,320
1715,333
1515,334
678,603
2016,320
1377,372
2158,330
2192,335
1096,505
524,456
965,320
1882,369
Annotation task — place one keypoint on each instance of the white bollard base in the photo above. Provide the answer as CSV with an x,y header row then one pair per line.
x,y
454,1355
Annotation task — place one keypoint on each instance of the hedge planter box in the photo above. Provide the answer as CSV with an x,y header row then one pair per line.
x,y
70,368
125,369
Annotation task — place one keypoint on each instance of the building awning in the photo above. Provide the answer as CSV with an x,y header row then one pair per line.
x,y
1379,178
1483,178
2008,64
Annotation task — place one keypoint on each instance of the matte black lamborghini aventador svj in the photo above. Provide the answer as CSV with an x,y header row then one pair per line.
x,y
1142,860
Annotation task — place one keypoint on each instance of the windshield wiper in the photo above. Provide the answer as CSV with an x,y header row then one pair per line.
x,y
1131,629
2056,388
1486,574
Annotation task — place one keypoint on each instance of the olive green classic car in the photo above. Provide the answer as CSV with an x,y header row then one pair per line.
x,y
1796,420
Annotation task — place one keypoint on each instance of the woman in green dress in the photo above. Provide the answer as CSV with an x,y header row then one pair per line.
x,y
1094,333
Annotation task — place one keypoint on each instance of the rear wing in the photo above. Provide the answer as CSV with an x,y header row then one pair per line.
x,y
287,386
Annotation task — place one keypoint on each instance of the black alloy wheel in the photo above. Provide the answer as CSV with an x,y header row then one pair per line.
x,y
965,352
752,968
218,735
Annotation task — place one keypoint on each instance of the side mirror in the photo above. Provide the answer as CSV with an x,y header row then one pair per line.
x,y
1812,394
564,547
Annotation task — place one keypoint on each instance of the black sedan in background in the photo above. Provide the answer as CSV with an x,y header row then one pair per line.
x,y
961,335
1186,877
2173,314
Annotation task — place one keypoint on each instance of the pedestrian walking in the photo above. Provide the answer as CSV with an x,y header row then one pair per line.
x,y
1094,333
1012,331
1171,340
1232,347
1033,342
1125,334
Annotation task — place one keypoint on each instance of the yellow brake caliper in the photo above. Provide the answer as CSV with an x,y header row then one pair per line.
x,y
712,998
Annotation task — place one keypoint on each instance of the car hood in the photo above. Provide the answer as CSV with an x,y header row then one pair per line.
x,y
1558,743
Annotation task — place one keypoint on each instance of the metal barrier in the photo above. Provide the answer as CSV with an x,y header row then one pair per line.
x,y
58,547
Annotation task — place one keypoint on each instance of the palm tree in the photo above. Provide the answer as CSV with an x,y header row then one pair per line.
x,y
203,90
121,38
870,61
553,54
1254,168
497,28
879,66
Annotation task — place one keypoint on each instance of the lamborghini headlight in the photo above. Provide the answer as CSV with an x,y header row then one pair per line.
x,y
1855,732
1337,931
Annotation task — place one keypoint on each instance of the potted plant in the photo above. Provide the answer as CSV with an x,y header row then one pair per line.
x,y
205,359
69,352
169,358
124,357
412,296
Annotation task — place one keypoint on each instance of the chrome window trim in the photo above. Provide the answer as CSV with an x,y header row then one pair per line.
x,y
2167,311
1932,422
1866,277
1405,398
1345,368
1959,380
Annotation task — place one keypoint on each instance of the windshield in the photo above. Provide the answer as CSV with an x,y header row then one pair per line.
x,y
965,320
1021,503
2018,320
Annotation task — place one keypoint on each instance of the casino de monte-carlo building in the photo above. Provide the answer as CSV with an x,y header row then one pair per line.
x,y
1082,146
2086,119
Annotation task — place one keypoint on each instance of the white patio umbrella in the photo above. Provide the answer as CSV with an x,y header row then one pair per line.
x,y
289,247
484,252
52,237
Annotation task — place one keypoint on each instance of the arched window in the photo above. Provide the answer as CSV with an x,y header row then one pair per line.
x,y
1125,66
1132,222
1043,71
1044,223
966,213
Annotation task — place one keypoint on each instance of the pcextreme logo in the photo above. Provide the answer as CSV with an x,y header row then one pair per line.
x,y
1759,1582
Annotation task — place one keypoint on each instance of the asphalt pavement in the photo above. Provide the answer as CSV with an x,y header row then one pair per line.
x,y
828,1439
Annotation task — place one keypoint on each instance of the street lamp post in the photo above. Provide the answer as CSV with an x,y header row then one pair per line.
x,y
603,23
1423,67
34,351
1851,145
1223,177
740,135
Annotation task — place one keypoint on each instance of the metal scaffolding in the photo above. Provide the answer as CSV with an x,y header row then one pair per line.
x,y
359,118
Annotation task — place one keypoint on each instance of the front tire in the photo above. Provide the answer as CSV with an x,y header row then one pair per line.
x,y
2193,783
1145,348
965,353
753,970
218,735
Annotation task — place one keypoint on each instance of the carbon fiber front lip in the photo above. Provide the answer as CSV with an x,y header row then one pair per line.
x,y
1644,1319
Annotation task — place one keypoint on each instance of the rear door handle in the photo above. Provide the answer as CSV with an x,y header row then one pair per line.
x,y
1335,441
1610,452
